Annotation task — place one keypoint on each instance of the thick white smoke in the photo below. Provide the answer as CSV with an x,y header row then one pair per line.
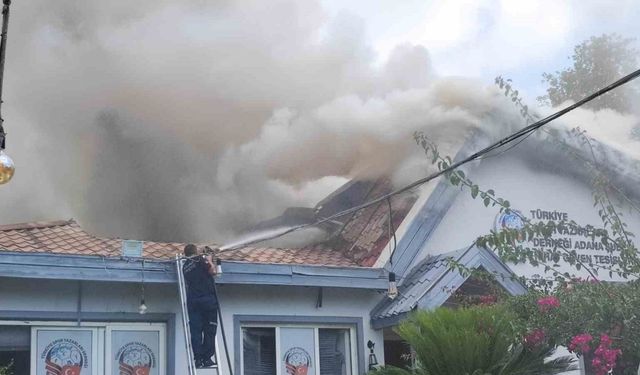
x,y
191,121
611,128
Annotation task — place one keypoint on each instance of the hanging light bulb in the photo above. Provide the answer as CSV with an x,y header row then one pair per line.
x,y
143,307
7,168
392,292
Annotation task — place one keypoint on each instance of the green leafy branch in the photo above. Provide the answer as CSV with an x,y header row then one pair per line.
x,y
608,212
503,241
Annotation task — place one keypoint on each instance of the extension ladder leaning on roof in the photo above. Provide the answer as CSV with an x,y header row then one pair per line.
x,y
191,366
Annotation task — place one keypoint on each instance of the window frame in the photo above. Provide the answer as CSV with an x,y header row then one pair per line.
x,y
100,339
152,327
354,325
97,350
353,352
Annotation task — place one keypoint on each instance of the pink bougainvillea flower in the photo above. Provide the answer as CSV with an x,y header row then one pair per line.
x,y
604,357
580,343
488,299
534,338
605,340
548,303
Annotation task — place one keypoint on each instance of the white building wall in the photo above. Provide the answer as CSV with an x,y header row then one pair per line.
x,y
104,297
526,189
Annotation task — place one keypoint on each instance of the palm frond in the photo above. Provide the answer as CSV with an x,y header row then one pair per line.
x,y
474,341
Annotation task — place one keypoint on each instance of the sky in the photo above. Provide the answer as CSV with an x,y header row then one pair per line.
x,y
518,39
194,120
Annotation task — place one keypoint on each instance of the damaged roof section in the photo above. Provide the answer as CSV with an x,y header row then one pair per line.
x,y
364,234
361,236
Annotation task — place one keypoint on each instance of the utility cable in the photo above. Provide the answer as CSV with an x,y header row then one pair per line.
x,y
392,231
504,141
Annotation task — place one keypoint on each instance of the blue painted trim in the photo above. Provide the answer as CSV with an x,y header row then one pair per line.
x,y
301,275
82,267
422,226
440,290
449,280
94,268
428,218
238,320
388,321
72,316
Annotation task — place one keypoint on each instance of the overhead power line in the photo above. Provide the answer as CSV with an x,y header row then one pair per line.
x,y
524,132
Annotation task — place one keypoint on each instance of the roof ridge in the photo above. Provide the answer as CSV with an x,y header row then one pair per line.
x,y
37,225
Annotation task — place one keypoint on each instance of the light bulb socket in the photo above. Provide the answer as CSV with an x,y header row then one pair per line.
x,y
143,307
392,292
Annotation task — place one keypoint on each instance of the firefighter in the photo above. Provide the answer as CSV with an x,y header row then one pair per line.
x,y
202,304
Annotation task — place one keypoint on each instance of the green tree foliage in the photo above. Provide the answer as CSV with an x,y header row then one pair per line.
x,y
6,370
596,63
472,341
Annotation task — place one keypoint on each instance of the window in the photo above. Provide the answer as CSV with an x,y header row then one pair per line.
x,y
334,350
93,348
292,349
15,342
259,351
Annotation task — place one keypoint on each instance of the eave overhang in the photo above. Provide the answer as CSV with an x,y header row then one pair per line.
x,y
109,269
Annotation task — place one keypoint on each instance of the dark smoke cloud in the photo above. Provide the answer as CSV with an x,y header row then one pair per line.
x,y
190,121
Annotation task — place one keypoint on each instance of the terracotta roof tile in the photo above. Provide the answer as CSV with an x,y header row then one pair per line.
x,y
365,233
67,237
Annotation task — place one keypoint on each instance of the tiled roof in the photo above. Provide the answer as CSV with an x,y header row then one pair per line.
x,y
364,234
67,237
313,255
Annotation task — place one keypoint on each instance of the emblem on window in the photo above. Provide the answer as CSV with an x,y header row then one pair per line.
x,y
135,358
64,357
297,361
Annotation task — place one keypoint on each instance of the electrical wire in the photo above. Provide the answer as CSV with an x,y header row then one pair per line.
x,y
524,132
392,231
508,148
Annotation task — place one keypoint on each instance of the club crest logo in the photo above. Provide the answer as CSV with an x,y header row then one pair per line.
x,y
297,361
135,358
64,357
510,220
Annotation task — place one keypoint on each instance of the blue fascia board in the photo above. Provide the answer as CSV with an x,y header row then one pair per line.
x,y
84,267
303,275
442,287
388,321
95,268
422,226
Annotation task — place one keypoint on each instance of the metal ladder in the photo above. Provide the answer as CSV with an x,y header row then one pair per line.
x,y
182,288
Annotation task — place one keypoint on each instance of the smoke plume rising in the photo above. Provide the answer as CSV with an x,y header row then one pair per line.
x,y
192,121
